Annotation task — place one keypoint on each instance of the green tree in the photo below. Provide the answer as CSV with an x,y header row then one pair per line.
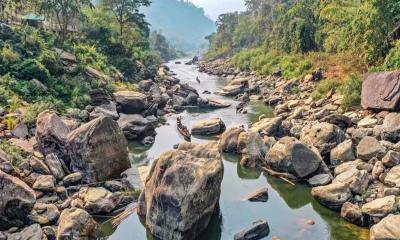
x,y
127,12
64,12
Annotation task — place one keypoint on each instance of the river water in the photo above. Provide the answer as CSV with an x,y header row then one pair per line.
x,y
288,207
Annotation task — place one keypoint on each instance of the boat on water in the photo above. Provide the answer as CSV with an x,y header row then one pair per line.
x,y
183,130
198,79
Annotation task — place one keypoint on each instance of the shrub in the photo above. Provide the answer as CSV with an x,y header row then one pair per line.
x,y
351,90
9,56
33,110
324,87
89,56
30,69
51,61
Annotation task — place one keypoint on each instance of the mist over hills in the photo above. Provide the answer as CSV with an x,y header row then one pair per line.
x,y
183,24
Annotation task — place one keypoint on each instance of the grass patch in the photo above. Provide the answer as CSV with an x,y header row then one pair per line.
x,y
16,154
324,86
351,91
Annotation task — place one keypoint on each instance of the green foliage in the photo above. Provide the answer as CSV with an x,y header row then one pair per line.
x,y
8,55
159,44
33,110
30,69
16,154
324,87
266,63
392,60
51,61
351,91
88,55
361,28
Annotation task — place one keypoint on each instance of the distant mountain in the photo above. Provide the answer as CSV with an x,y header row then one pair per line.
x,y
183,24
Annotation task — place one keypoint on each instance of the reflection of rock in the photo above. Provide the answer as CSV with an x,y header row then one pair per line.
x,y
182,191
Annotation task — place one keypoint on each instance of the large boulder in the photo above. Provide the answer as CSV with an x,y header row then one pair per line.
x,y
97,200
51,132
255,150
32,232
182,191
370,147
131,102
268,126
208,127
229,140
380,91
386,229
380,207
98,149
75,224
324,136
333,195
136,127
16,201
391,127
292,156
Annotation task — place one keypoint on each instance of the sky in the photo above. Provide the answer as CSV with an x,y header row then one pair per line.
x,y
213,8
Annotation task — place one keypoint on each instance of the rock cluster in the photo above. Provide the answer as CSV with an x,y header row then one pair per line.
x,y
307,138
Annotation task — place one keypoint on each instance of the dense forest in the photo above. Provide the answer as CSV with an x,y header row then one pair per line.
x,y
183,24
111,39
359,31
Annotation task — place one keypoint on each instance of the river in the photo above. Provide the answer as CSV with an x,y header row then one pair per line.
x,y
288,207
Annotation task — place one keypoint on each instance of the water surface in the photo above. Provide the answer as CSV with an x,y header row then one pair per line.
x,y
288,207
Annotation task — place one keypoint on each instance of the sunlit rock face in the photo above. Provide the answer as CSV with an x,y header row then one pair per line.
x,y
182,191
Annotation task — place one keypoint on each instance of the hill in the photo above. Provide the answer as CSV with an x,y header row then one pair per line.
x,y
182,23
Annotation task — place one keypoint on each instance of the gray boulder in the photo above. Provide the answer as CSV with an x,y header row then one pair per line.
x,y
268,127
208,127
391,127
182,190
333,195
131,102
229,140
136,127
323,136
369,148
16,201
51,132
380,207
343,152
292,156
98,149
351,213
33,232
320,180
258,230
75,224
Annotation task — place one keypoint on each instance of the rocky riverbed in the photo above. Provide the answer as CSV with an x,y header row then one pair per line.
x,y
288,173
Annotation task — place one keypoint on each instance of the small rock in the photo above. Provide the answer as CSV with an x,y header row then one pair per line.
x,y
20,131
380,207
369,147
259,196
44,183
76,224
72,178
391,159
33,232
342,153
351,213
258,230
320,180
386,229
114,186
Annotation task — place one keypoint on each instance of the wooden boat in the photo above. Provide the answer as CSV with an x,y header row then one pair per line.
x,y
198,79
184,131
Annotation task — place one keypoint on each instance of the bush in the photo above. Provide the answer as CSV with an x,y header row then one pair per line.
x,y
89,56
30,69
33,110
324,87
265,63
8,55
51,61
351,91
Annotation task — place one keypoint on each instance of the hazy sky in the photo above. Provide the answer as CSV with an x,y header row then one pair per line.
x,y
214,8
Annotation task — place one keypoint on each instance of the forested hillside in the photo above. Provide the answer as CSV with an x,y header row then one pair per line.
x,y
183,24
294,35
109,40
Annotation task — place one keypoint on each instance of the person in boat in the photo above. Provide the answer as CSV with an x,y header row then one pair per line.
x,y
239,107
198,79
181,126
